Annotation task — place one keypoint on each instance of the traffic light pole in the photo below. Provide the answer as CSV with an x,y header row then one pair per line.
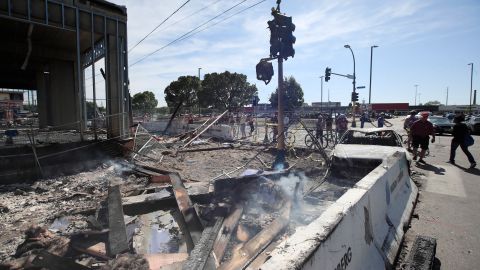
x,y
280,127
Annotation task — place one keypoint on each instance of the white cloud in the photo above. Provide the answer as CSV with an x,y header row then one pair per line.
x,y
238,43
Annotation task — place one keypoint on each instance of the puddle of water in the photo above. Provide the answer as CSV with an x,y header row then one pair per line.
x,y
158,232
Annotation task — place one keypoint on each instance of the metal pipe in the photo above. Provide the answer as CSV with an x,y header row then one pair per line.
x,y
80,78
92,40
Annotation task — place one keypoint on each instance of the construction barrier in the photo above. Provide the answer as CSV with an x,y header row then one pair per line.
x,y
177,127
363,229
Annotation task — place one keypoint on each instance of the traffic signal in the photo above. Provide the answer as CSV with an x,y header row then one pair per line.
x,y
328,72
255,100
285,32
354,96
275,45
264,71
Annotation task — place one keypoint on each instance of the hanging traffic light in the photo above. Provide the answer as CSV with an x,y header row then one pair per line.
x,y
328,72
285,32
264,71
354,96
275,45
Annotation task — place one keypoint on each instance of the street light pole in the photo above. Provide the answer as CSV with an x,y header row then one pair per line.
x,y
321,93
370,87
354,124
416,88
471,87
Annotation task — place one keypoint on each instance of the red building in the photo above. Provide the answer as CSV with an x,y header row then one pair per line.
x,y
389,107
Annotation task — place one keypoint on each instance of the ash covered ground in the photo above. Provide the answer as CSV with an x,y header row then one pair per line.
x,y
77,197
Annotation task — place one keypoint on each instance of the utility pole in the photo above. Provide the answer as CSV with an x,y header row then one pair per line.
x,y
471,88
199,73
446,101
416,88
321,93
354,124
281,47
370,87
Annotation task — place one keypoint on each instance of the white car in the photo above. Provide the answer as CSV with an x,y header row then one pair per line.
x,y
361,149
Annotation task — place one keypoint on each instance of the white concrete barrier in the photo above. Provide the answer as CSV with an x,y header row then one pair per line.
x,y
178,127
361,230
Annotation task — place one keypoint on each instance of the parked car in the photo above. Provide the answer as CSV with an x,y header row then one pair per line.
x,y
441,124
474,124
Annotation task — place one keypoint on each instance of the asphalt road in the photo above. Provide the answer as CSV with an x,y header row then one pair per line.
x,y
448,206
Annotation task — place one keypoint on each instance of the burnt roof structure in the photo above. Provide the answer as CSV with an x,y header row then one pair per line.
x,y
47,45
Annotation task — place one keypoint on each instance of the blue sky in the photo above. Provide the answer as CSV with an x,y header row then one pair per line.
x,y
427,42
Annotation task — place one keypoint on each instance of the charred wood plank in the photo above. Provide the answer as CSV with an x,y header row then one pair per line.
x,y
242,257
226,232
185,206
54,262
206,149
200,258
117,234
161,260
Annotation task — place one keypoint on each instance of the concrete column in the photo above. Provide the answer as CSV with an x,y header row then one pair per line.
x,y
114,88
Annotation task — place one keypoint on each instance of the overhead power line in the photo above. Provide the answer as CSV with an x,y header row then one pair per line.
x,y
156,27
222,20
186,34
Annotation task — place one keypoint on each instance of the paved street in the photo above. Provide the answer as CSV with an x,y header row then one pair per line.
x,y
448,206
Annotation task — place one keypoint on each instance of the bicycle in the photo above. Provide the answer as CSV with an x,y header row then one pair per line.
x,y
329,138
289,136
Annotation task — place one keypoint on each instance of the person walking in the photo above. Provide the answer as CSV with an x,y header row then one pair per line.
x,y
320,125
407,124
421,130
460,131
329,125
341,124
363,119
381,120
243,122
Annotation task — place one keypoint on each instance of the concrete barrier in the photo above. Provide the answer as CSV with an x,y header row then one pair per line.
x,y
177,127
361,230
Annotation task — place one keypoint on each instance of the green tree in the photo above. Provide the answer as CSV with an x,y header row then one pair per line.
x,y
144,102
91,110
293,95
225,91
184,90
433,103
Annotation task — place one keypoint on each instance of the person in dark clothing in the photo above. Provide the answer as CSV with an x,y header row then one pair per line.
x,y
460,131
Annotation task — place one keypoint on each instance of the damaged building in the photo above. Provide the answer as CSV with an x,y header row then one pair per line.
x,y
78,193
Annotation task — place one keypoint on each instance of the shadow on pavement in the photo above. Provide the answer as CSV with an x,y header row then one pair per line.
x,y
473,171
437,264
430,167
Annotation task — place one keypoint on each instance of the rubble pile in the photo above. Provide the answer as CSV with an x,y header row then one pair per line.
x,y
209,206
